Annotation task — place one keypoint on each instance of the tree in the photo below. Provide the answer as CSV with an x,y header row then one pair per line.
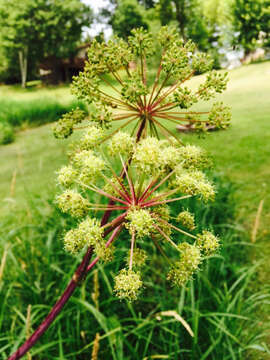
x,y
128,15
251,19
38,28
190,19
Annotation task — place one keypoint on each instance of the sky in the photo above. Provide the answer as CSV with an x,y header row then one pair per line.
x,y
96,27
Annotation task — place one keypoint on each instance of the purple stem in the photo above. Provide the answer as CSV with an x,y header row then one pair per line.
x,y
77,277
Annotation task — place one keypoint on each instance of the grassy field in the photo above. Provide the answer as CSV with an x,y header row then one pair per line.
x,y
218,304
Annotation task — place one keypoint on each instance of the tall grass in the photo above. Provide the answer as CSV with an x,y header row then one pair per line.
x,y
35,112
218,304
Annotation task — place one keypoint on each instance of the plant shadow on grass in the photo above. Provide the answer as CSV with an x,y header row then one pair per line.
x,y
217,304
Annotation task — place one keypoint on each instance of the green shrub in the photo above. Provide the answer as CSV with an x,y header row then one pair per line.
x,y
6,133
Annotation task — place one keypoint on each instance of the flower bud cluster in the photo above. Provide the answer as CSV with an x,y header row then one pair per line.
x,y
176,58
141,41
216,82
220,116
167,35
184,97
202,62
64,127
133,88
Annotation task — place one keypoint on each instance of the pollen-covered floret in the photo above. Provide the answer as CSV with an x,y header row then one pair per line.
x,y
194,183
121,143
170,157
207,242
186,219
91,137
190,256
140,221
127,284
189,262
91,166
138,259
147,155
66,176
193,157
89,232
72,202
106,253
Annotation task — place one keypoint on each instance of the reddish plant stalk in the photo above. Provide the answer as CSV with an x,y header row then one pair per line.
x,y
77,277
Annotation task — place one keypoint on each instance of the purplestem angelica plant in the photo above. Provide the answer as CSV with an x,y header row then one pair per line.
x,y
157,168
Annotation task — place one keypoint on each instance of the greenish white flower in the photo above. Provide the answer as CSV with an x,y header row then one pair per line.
x,y
66,176
186,219
92,136
121,144
73,203
140,221
127,284
207,242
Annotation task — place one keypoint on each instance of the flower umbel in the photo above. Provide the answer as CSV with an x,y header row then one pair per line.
x,y
134,99
139,200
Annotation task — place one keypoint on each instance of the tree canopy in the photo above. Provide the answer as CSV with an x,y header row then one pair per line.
x,y
38,28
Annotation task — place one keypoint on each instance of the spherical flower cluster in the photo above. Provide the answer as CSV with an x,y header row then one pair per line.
x,y
90,166
207,242
186,219
127,284
189,262
66,176
121,143
91,137
147,155
140,221
193,182
72,202
193,157
89,232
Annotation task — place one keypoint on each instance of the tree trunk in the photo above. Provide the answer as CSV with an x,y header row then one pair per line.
x,y
180,16
23,65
